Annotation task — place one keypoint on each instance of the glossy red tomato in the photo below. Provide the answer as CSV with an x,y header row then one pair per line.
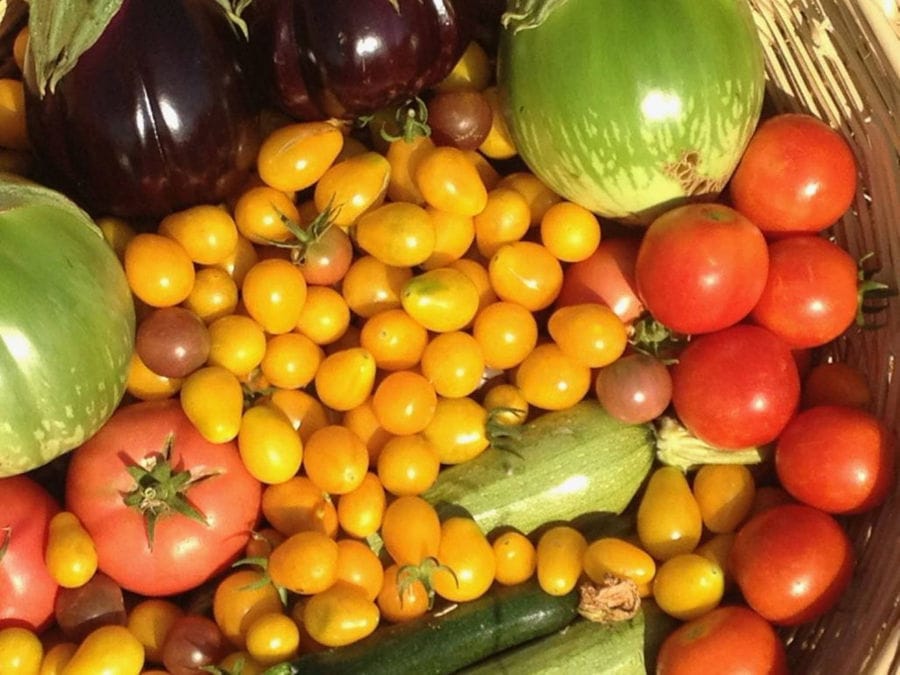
x,y
791,562
796,175
837,458
728,640
701,268
606,276
113,505
811,292
27,591
737,387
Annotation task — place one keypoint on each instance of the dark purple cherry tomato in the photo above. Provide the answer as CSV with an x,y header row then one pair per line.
x,y
459,118
634,388
172,341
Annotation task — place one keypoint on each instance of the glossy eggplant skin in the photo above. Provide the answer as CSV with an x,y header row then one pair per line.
x,y
156,116
345,58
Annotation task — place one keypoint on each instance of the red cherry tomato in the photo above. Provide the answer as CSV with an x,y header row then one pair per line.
x,y
837,458
796,175
736,388
701,268
729,639
791,562
811,293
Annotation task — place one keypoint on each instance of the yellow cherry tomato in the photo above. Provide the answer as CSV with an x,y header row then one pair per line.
x,y
353,186
506,404
13,130
688,585
403,596
56,658
146,385
110,650
159,271
718,549
363,421
450,182
208,233
669,522
471,71
589,333
149,621
404,156
458,429
213,400
499,143
299,505
272,638
506,333
117,232
504,219
570,231
340,615
536,193
453,236
70,555
360,566
371,286
477,273
550,379
410,530
21,651
336,459
466,561
725,494
269,446
620,558
242,259
20,45
345,378
236,343
213,295
404,402
304,410
560,554
408,465
273,292
236,662
515,557
325,316
442,300
260,214
291,360
453,363
360,511
400,234
395,339
295,156
305,563
527,273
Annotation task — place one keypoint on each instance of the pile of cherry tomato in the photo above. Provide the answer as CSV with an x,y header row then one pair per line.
x,y
352,321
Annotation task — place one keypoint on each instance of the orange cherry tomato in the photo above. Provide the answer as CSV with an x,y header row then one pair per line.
x,y
273,292
450,182
466,558
504,219
336,459
159,271
360,566
458,429
506,332
207,233
345,378
589,333
395,339
454,364
527,273
560,553
403,596
363,421
453,236
552,380
411,530
305,563
570,232
404,402
442,300
353,186
400,234
260,214
408,465
299,505
360,511
295,156
370,286
515,557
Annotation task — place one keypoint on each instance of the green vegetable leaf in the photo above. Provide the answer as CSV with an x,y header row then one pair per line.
x,y
60,32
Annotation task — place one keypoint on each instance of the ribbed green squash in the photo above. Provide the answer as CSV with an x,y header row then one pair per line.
x,y
631,107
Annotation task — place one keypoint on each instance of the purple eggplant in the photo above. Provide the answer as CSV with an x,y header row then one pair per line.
x,y
346,58
157,115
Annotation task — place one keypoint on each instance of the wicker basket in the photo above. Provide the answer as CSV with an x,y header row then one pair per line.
x,y
840,60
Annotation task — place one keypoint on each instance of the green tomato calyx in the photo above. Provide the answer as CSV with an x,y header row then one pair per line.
x,y
161,491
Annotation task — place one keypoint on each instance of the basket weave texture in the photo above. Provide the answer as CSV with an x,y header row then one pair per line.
x,y
840,60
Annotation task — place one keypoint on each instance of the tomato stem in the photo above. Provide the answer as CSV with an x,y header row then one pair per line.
x,y
872,296
412,118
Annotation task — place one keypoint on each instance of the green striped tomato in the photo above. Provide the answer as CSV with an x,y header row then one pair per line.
x,y
630,108
66,326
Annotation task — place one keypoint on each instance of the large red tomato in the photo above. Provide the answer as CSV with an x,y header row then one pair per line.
x,y
792,562
811,292
729,640
837,458
103,490
27,591
797,174
736,388
701,268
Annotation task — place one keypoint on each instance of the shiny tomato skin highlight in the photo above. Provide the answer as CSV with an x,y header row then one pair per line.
x,y
27,591
185,552
737,387
791,562
701,268
728,640
836,458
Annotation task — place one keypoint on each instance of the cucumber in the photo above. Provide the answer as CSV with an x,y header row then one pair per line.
x,y
624,648
562,466
443,643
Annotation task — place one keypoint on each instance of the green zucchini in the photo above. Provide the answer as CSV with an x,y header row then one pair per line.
x,y
624,648
444,642
561,466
